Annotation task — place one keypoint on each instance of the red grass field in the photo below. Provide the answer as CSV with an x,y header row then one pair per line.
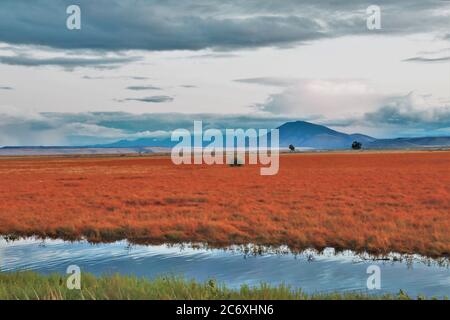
x,y
377,202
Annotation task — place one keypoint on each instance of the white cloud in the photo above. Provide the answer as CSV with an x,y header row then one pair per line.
x,y
331,97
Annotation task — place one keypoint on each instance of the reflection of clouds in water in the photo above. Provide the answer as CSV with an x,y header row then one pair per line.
x,y
329,271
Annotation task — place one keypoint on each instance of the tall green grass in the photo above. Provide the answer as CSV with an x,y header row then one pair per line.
x,y
30,285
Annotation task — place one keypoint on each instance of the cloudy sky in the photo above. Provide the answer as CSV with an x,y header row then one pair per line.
x,y
141,68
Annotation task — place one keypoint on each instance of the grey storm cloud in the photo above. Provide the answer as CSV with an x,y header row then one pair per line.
x,y
68,62
269,81
152,99
29,128
402,113
172,121
138,78
86,77
434,118
143,88
426,59
199,24
6,88
214,55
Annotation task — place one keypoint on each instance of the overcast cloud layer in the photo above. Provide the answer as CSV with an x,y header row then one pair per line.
x,y
199,24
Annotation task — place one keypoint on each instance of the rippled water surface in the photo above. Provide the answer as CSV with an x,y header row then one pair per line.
x,y
312,272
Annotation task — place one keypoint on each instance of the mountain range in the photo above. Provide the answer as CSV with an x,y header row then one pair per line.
x,y
304,134
300,134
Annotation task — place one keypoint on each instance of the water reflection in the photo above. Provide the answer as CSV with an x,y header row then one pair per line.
x,y
311,271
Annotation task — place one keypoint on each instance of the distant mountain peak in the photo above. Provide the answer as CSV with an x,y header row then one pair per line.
x,y
311,135
303,134
303,126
